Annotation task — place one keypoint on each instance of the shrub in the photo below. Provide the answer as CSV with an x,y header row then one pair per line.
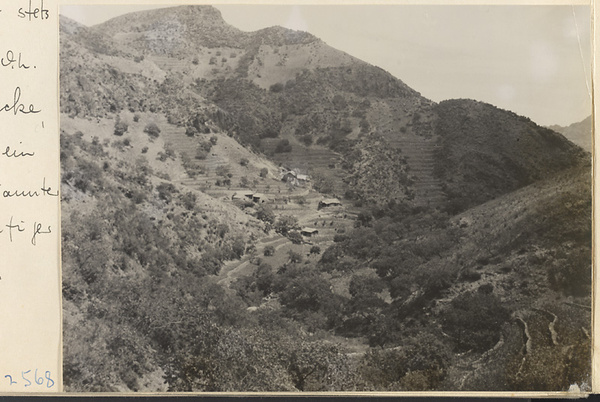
x,y
136,117
420,364
307,139
295,237
315,250
222,171
206,146
213,140
268,133
264,172
265,214
470,275
475,319
269,251
283,146
166,191
278,87
201,154
571,274
121,128
191,131
189,201
244,162
152,130
285,223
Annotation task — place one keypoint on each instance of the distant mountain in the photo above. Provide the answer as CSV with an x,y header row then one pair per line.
x,y
579,133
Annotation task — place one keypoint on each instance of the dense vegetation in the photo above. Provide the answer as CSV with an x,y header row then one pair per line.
x,y
153,309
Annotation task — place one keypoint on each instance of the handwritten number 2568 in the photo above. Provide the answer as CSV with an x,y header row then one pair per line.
x,y
38,380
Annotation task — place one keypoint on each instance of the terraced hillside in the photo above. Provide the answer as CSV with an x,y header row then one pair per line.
x,y
421,154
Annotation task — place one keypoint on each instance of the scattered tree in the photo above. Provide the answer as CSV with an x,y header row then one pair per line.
x,y
152,130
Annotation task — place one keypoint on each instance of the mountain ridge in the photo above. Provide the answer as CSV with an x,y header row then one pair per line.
x,y
579,133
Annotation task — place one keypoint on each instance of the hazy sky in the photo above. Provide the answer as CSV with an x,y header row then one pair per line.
x,y
533,60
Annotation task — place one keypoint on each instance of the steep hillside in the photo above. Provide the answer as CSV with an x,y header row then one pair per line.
x,y
579,133
504,287
485,152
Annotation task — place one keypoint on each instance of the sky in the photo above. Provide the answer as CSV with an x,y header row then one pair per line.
x,y
532,60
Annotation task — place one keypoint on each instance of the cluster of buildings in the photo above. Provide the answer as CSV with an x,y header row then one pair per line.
x,y
249,195
293,177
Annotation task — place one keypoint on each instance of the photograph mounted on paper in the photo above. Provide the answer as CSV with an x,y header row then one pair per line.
x,y
258,198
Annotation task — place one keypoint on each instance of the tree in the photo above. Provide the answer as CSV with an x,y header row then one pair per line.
x,y
265,214
294,257
295,237
475,319
152,130
120,128
365,290
222,171
420,363
277,87
189,201
285,223
201,154
283,146
166,191
269,251
318,366
315,250
306,293
264,278
191,131
307,139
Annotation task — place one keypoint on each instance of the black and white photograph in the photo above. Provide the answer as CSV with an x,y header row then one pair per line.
x,y
326,198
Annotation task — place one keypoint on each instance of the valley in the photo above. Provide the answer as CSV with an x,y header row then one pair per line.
x,y
257,211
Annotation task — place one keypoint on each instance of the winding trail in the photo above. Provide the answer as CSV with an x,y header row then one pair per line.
x,y
231,269
551,325
526,336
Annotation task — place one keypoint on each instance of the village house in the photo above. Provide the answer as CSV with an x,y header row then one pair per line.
x,y
294,178
309,232
248,195
329,202
259,198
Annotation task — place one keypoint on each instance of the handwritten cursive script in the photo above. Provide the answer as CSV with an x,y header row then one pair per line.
x,y
17,107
